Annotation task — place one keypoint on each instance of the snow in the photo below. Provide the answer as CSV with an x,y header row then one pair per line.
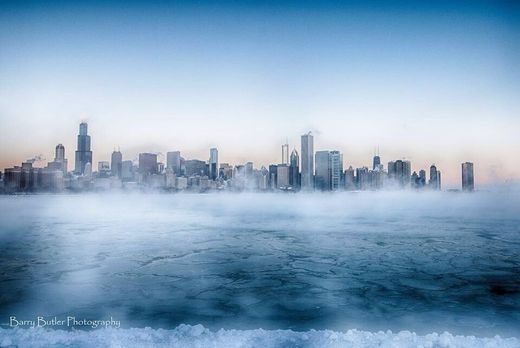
x,y
199,336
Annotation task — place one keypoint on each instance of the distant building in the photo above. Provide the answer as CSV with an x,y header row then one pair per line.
x,y
83,152
282,176
60,162
400,172
336,170
285,154
249,170
376,162
362,178
322,176
422,178
307,161
435,178
116,164
294,170
196,167
263,179
213,164
127,171
350,179
181,183
147,164
468,183
226,171
273,172
173,161
103,169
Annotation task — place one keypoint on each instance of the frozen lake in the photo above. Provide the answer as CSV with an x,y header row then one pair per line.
x,y
423,262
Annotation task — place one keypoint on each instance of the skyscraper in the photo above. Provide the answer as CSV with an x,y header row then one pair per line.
x,y
285,153
147,164
213,163
83,153
307,167
116,163
127,171
350,183
376,162
173,161
323,171
60,153
294,170
60,162
282,176
196,167
336,170
400,172
467,177
434,182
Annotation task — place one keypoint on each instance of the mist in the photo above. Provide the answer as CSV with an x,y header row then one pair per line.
x,y
418,261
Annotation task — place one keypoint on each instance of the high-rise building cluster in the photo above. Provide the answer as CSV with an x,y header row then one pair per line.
x,y
308,170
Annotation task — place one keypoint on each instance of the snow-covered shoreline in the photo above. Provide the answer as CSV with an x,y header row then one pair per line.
x,y
199,336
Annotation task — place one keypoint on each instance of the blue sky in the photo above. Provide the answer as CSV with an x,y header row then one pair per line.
x,y
435,82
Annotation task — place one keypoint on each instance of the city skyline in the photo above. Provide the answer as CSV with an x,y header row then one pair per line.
x,y
433,83
321,170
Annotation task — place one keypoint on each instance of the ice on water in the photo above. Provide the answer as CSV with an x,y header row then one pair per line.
x,y
372,261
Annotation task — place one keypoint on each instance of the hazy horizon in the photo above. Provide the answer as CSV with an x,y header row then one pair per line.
x,y
433,82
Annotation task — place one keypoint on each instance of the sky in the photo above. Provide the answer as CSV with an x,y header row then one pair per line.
x,y
432,82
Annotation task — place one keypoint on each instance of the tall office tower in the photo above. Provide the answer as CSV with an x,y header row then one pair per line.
x,y
439,180
434,178
307,166
263,179
400,172
350,183
196,167
391,170
422,177
285,153
362,178
273,171
282,176
376,163
407,174
116,163
294,170
147,163
416,181
213,163
249,170
336,170
173,161
60,162
60,153
83,153
127,171
468,183
323,171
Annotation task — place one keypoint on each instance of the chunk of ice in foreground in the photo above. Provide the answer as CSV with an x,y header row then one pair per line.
x,y
198,336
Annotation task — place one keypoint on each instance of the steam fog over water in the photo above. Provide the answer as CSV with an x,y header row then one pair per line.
x,y
423,262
